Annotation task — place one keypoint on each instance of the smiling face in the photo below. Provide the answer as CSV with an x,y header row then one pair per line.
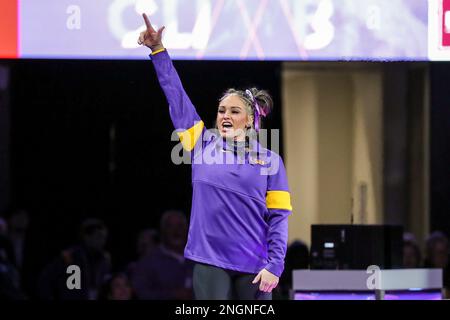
x,y
233,118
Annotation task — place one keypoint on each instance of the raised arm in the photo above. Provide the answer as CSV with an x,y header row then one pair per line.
x,y
184,117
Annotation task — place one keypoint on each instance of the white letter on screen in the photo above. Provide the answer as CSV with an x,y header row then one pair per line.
x,y
74,20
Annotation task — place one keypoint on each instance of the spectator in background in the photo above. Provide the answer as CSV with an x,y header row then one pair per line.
x,y
90,256
117,287
412,257
3,227
437,251
165,273
147,241
9,275
17,232
297,257
25,254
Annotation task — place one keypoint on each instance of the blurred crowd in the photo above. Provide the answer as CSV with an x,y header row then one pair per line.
x,y
160,270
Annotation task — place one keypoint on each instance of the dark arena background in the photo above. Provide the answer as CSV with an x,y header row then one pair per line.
x,y
93,139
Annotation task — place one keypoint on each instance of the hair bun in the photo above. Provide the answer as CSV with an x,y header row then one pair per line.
x,y
263,99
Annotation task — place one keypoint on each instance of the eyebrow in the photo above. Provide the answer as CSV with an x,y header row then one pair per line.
x,y
236,107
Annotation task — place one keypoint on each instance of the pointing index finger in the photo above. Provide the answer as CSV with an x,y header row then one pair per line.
x,y
147,23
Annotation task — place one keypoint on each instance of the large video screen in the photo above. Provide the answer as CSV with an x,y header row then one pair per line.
x,y
229,29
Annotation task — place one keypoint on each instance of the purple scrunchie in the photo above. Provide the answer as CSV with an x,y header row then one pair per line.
x,y
258,110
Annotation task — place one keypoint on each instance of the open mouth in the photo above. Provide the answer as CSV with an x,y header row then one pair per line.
x,y
227,125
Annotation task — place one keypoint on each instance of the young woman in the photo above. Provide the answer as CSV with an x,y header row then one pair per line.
x,y
239,217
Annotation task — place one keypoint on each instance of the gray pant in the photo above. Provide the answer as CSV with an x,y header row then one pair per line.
x,y
214,283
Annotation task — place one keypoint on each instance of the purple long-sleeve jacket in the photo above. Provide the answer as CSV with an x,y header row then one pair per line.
x,y
240,201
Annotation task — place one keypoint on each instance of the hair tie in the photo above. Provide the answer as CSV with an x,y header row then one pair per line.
x,y
258,110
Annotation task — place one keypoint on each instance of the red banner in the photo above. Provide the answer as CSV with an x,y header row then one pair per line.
x,y
9,29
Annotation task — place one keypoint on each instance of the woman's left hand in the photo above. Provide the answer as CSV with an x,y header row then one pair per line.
x,y
268,280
